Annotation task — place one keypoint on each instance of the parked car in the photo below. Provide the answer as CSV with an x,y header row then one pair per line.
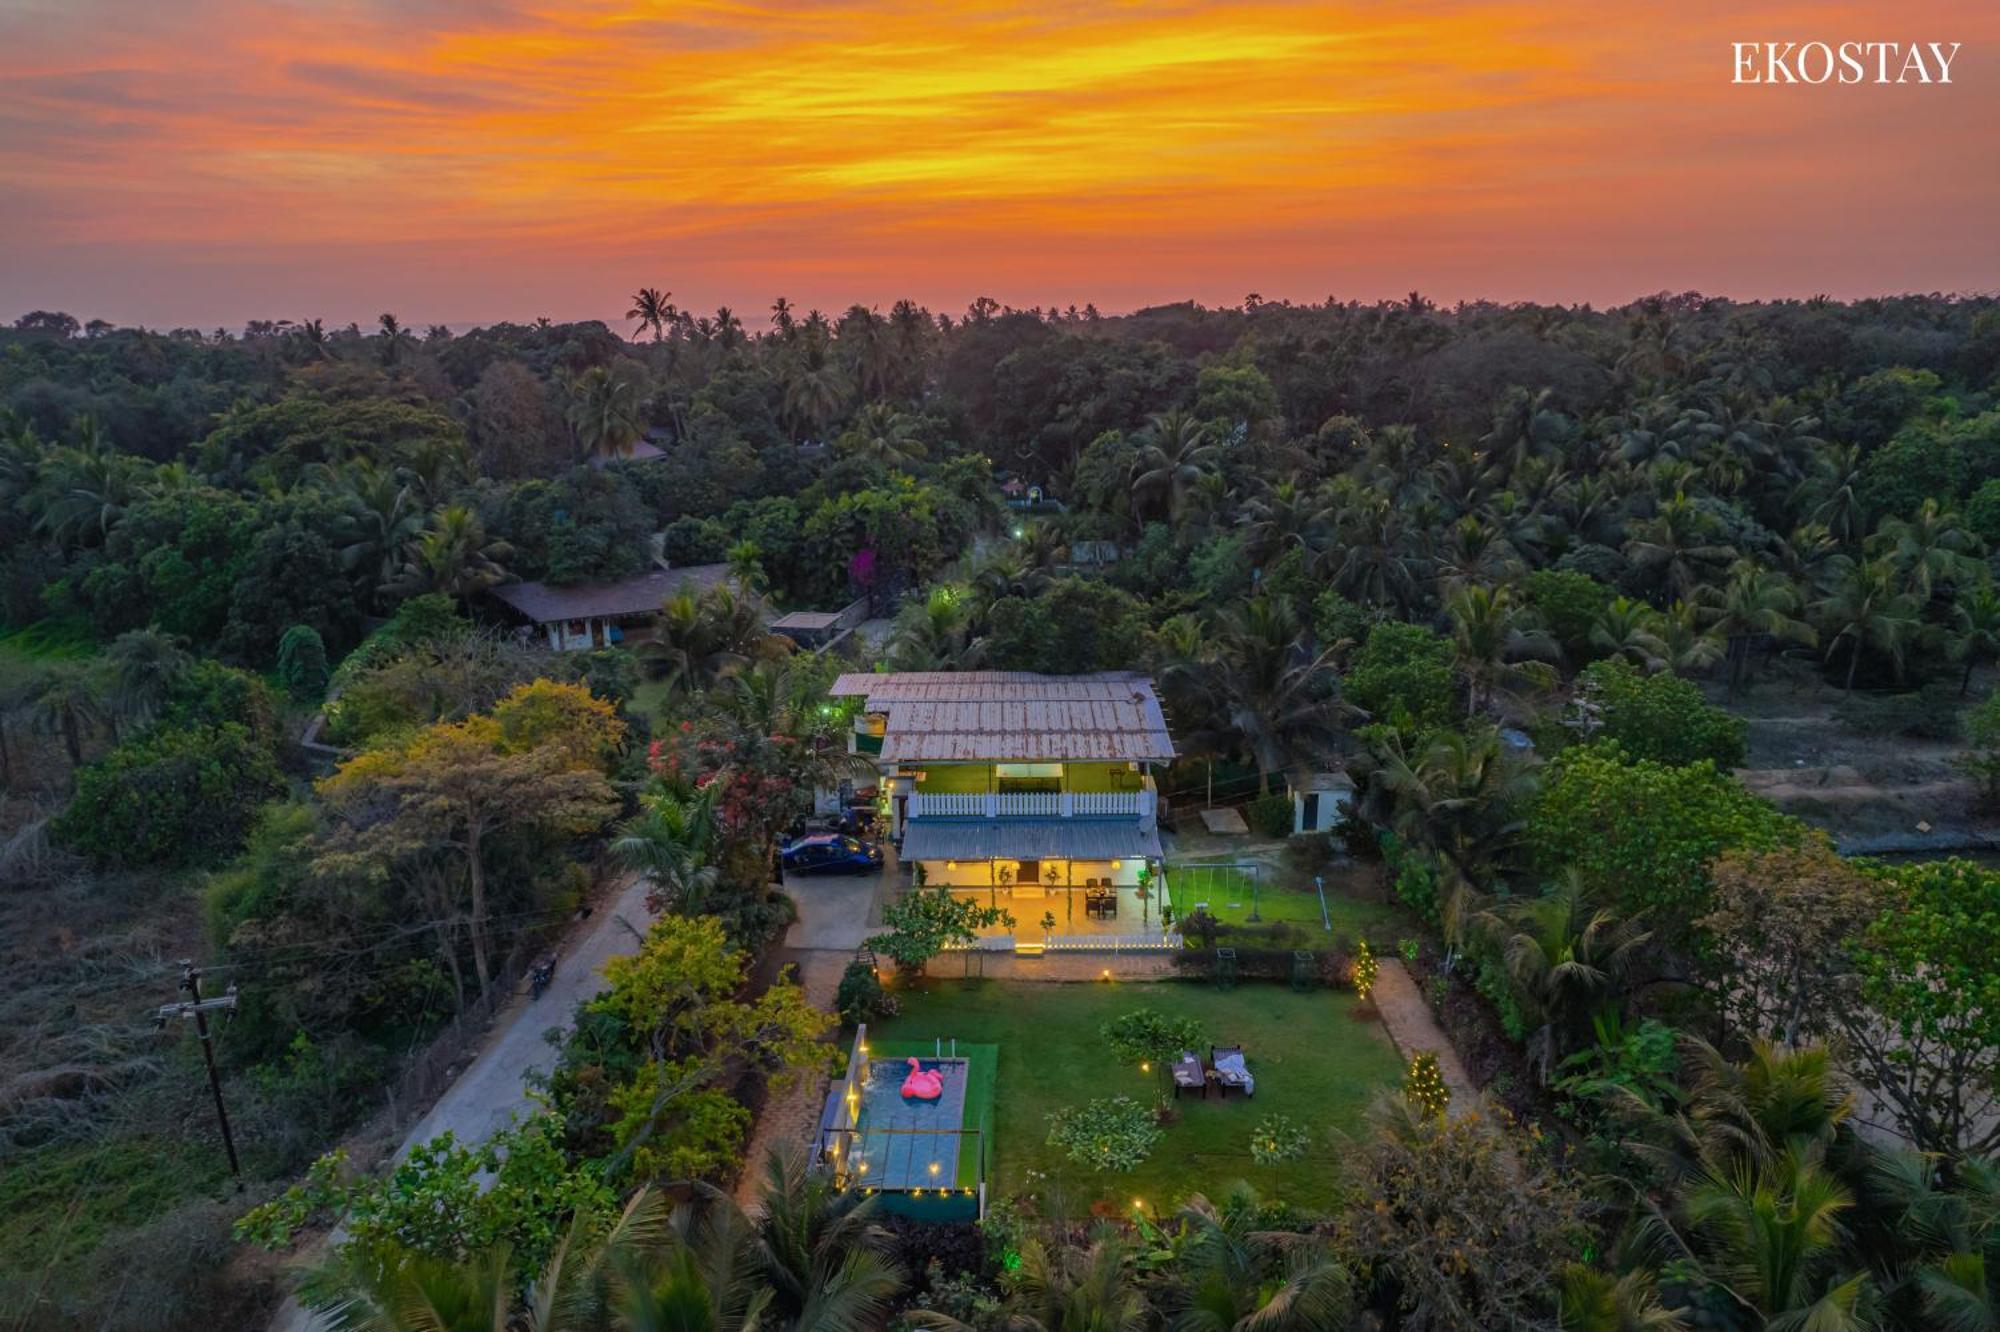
x,y
832,853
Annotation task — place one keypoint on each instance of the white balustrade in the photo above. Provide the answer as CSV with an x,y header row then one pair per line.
x,y
1031,804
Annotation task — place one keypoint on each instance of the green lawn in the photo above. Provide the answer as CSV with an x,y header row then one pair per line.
x,y
1314,1062
1279,897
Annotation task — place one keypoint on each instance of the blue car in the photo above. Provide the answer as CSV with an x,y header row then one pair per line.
x,y
831,853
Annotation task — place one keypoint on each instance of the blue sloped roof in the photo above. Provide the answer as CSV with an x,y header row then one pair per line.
x,y
1029,839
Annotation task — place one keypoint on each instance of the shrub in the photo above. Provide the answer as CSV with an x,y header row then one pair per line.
x,y
1403,675
302,663
1275,1139
861,997
1660,717
1110,1133
1930,713
171,797
1423,1084
1366,969
1271,814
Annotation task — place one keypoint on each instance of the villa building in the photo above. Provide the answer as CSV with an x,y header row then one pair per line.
x,y
1034,792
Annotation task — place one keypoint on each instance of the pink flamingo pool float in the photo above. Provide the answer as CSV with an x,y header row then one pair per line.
x,y
923,1084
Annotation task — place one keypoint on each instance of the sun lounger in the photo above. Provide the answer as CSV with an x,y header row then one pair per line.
x,y
1230,1070
1189,1075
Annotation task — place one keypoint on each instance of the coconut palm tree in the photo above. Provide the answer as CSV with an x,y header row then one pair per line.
x,y
820,1250
1565,954
1593,1301
1278,690
651,309
1629,629
673,842
700,638
67,702
1755,602
881,434
1977,612
395,340
1176,452
1933,548
1462,795
1680,543
607,412
381,517
1066,1288
1867,609
814,387
1692,646
1229,1274
1493,634
145,665
452,555
932,634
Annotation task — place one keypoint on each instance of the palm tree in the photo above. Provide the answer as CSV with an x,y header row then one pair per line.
x,y
1679,542
881,434
1775,1236
1592,1301
1564,954
673,842
826,1261
815,388
932,634
1867,608
67,703
1279,692
395,338
1068,1288
699,639
653,309
606,412
1755,602
145,666
1931,548
1492,633
1231,1275
454,556
1176,452
1629,629
1462,795
1977,611
382,517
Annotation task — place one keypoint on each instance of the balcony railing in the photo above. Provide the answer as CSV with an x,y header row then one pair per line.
x,y
1031,805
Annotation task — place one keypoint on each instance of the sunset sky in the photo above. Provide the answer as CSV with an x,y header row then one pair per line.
x,y
207,161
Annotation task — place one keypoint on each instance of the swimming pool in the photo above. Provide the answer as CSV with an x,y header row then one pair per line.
x,y
908,1144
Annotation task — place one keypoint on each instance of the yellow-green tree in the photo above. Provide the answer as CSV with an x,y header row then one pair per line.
x,y
534,763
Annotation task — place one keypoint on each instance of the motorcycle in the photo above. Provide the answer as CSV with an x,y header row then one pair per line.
x,y
540,975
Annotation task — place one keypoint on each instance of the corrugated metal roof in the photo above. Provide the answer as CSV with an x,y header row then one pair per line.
x,y
1028,839
973,716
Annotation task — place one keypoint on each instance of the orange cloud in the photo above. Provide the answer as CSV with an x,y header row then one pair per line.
x,y
225,158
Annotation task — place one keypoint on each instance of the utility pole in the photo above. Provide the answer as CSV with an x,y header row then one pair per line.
x,y
196,1008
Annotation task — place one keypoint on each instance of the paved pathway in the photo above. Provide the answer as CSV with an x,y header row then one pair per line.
x,y
493,1088
1413,1028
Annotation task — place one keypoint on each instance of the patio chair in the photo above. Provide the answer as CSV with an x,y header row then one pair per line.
x,y
1189,1075
1230,1069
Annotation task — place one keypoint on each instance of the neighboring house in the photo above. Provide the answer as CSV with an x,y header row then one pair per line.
x,y
1034,792
600,615
642,450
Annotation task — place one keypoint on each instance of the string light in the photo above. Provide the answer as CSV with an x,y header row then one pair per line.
x,y
1365,970
1424,1084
